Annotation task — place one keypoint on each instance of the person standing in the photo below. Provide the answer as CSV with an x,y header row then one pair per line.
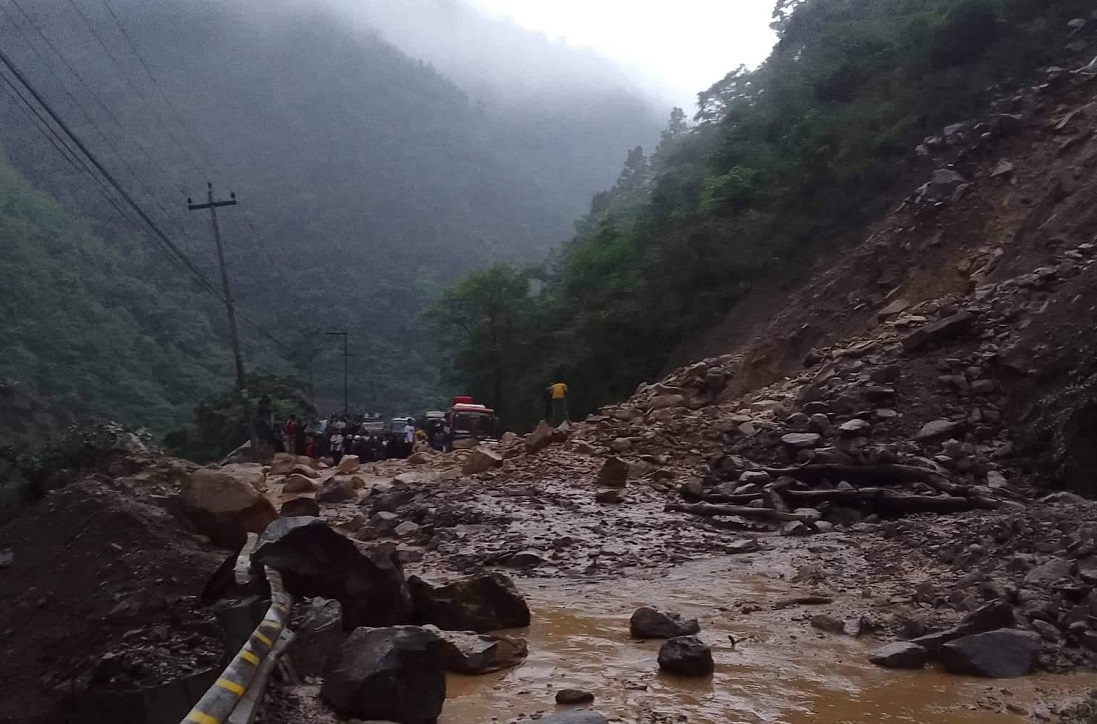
x,y
291,435
559,393
337,446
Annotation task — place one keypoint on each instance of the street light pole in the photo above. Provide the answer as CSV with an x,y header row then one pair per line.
x,y
346,372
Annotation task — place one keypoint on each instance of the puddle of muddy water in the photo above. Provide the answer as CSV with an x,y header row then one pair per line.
x,y
779,670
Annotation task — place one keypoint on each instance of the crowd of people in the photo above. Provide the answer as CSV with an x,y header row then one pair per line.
x,y
335,436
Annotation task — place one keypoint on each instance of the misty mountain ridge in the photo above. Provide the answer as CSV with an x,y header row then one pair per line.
x,y
371,176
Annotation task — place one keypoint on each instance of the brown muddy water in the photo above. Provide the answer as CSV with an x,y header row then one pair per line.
x,y
778,670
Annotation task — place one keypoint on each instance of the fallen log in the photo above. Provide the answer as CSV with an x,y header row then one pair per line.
x,y
709,510
887,502
877,474
733,499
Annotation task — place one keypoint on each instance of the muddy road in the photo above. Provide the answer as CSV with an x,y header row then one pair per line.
x,y
585,566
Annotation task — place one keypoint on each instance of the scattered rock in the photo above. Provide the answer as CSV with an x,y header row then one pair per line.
x,y
609,497
801,440
571,697
481,461
336,491
935,332
937,429
466,652
300,506
348,464
298,483
487,602
686,656
614,473
900,655
650,623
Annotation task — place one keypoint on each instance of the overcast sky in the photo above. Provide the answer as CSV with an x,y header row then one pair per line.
x,y
675,47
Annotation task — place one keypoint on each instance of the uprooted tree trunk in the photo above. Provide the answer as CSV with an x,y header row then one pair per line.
x,y
709,510
873,474
886,502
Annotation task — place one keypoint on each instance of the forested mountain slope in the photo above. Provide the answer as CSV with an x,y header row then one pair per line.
x,y
366,177
778,164
94,325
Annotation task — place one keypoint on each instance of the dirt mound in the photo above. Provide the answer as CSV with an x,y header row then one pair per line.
x,y
101,592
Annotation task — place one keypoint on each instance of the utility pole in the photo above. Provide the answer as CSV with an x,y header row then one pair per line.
x,y
346,373
241,379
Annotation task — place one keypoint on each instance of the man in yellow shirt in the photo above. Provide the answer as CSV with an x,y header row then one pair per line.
x,y
559,393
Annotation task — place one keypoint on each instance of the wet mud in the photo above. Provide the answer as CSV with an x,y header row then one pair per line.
x,y
779,669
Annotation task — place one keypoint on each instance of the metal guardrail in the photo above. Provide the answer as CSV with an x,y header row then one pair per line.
x,y
252,665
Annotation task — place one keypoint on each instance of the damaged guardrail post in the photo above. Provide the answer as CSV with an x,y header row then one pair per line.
x,y
223,697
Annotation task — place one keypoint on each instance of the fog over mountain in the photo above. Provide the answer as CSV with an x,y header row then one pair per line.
x,y
379,150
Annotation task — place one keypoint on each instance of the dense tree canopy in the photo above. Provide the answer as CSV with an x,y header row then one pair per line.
x,y
780,158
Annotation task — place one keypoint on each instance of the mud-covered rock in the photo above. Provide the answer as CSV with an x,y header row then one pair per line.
x,y
336,490
466,652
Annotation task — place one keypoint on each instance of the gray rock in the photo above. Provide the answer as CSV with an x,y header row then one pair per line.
x,y
988,617
1044,575
388,673
406,529
466,652
829,624
1000,654
900,655
570,697
937,429
743,545
950,327
336,490
650,623
855,428
758,477
614,473
318,638
487,602
801,440
612,496
686,656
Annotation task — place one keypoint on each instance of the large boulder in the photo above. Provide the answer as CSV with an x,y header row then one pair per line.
x,y
315,560
487,602
388,674
318,638
225,503
686,656
1002,654
481,461
650,623
945,329
988,617
466,652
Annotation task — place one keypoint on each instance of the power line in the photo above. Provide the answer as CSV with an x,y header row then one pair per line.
x,y
202,151
153,229
55,140
126,79
79,106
